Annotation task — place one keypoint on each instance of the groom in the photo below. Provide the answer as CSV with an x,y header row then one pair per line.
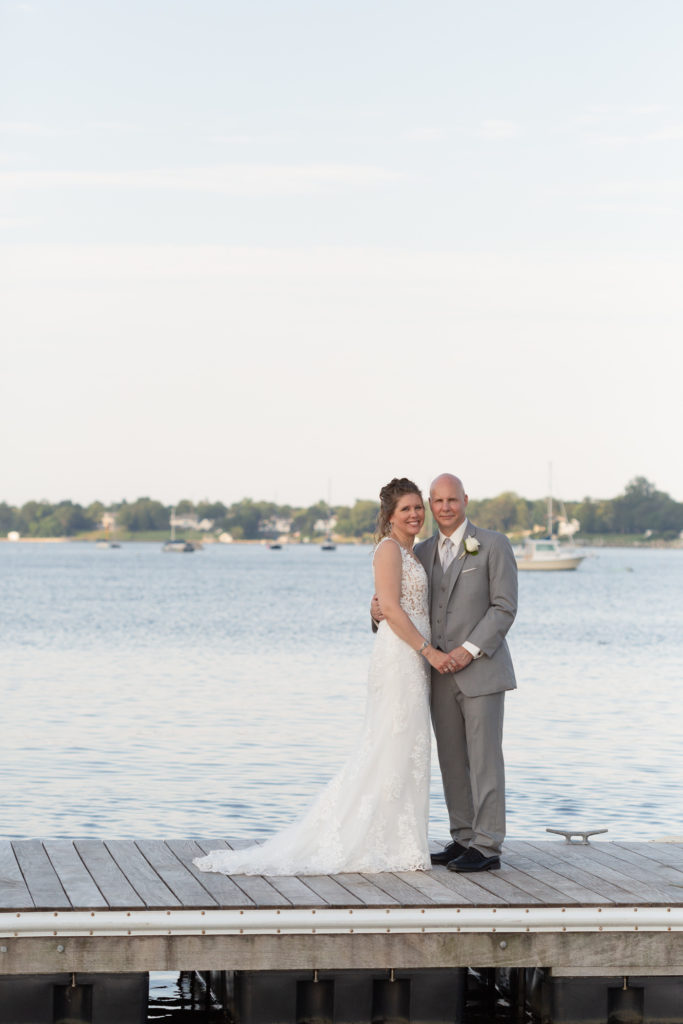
x,y
473,592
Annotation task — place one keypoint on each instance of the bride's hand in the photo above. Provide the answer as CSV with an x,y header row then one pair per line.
x,y
437,659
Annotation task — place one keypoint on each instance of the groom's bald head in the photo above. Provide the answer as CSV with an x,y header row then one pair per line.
x,y
447,480
448,502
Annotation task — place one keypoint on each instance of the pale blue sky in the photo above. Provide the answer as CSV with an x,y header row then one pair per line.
x,y
253,248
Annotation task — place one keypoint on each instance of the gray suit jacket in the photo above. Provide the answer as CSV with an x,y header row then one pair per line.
x,y
481,604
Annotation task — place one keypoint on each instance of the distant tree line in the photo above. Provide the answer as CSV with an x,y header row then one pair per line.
x,y
640,509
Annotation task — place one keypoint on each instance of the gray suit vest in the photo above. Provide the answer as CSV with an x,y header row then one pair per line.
x,y
441,587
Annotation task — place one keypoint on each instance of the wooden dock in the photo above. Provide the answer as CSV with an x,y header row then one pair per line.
x,y
610,908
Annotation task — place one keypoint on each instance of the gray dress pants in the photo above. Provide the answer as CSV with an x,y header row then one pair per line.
x,y
469,740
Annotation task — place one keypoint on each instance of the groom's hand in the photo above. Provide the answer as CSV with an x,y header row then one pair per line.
x,y
375,609
458,659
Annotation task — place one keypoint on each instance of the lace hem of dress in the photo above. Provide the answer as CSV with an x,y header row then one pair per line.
x,y
235,862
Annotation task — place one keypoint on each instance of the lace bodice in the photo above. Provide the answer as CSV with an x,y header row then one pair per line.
x,y
414,586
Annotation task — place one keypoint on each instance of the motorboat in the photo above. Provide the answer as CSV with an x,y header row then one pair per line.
x,y
547,554
328,544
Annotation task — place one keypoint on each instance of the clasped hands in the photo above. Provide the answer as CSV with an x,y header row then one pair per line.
x,y
444,662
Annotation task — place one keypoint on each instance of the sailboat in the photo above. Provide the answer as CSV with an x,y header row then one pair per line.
x,y
174,545
547,553
106,542
328,544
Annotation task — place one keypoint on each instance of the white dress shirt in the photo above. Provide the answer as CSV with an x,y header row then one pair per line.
x,y
456,538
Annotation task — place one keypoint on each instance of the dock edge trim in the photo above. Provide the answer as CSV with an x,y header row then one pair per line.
x,y
344,921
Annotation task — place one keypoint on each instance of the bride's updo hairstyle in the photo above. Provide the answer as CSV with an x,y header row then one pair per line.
x,y
389,497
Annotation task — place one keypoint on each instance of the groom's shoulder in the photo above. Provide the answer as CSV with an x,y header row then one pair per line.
x,y
490,537
424,546
426,542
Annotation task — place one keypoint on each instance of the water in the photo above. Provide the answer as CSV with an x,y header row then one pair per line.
x,y
214,693
179,695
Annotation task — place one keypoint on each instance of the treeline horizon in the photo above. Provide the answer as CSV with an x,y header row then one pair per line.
x,y
640,509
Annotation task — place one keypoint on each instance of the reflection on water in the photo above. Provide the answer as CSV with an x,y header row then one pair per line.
x,y
148,694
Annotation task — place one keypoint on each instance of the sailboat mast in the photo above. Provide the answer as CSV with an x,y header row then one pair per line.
x,y
550,499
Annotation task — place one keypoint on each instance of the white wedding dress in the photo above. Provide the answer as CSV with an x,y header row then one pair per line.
x,y
372,816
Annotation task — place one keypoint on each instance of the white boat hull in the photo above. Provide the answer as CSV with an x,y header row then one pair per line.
x,y
549,564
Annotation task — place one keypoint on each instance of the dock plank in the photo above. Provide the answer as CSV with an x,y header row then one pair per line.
x,y
75,878
331,891
500,883
592,859
589,874
525,857
606,893
108,876
256,887
41,878
641,853
426,882
14,894
295,890
220,887
151,889
292,887
523,874
667,880
365,889
668,854
469,890
187,888
403,892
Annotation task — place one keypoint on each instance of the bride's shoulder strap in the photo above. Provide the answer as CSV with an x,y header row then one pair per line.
x,y
379,545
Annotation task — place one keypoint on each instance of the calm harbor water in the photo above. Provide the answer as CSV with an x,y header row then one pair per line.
x,y
166,695
214,693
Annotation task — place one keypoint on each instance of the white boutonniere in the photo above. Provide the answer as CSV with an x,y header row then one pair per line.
x,y
471,546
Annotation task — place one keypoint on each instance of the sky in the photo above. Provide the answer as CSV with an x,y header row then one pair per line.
x,y
289,250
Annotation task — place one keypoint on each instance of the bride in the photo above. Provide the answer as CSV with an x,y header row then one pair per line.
x,y
372,816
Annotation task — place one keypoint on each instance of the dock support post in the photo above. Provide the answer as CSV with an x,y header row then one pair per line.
x,y
518,992
625,1004
72,1003
315,1001
391,1001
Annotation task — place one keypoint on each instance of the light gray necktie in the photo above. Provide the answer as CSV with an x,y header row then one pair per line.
x,y
447,553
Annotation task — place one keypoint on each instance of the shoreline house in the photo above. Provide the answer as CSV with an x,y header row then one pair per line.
x,y
189,521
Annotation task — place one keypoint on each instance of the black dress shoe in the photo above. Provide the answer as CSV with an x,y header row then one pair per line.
x,y
473,860
452,851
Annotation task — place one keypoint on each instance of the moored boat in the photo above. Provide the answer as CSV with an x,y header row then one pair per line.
x,y
177,545
173,545
547,554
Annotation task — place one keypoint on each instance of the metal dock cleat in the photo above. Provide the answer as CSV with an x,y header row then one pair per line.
x,y
569,836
